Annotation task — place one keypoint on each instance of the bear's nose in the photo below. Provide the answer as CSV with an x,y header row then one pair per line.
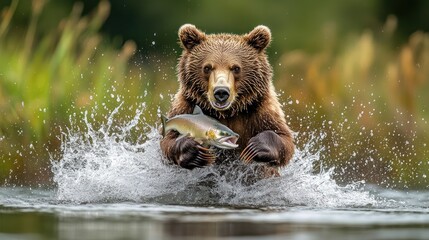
x,y
221,94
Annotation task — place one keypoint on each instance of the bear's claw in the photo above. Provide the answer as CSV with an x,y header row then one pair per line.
x,y
248,153
205,156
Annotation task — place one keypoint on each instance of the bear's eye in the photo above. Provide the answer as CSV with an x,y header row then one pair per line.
x,y
236,69
207,69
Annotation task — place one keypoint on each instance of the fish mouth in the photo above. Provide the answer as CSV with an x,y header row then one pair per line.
x,y
229,142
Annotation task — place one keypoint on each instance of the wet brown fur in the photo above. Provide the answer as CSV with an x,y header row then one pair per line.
x,y
255,108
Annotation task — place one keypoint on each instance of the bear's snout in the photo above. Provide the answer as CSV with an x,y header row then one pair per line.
x,y
221,94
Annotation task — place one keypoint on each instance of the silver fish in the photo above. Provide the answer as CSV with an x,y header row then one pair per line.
x,y
204,129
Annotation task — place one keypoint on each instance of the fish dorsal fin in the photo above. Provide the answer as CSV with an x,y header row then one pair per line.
x,y
197,110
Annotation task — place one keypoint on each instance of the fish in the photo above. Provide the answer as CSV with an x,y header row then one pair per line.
x,y
206,130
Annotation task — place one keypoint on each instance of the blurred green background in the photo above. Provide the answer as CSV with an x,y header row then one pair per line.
x,y
356,71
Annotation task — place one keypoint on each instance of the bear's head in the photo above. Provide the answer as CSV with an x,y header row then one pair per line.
x,y
224,73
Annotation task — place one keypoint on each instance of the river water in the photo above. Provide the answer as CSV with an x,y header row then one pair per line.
x,y
38,214
107,185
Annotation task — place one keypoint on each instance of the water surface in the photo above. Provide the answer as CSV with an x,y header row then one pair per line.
x,y
107,185
38,214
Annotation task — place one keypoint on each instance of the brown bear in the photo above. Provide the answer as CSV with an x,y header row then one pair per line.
x,y
229,77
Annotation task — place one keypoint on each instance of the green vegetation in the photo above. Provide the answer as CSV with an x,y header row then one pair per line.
x,y
364,92
43,79
370,98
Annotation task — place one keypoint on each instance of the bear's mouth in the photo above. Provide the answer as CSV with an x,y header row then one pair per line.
x,y
221,106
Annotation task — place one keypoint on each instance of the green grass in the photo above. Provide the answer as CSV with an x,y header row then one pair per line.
x,y
375,95
44,79
368,96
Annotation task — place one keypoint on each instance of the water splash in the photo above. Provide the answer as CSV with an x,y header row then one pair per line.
x,y
102,164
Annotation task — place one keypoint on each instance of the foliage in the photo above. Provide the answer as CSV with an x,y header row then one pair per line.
x,y
43,78
370,100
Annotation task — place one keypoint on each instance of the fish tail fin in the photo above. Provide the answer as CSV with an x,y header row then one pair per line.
x,y
164,120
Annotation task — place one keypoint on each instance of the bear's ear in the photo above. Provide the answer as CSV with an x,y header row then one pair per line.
x,y
190,36
259,37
